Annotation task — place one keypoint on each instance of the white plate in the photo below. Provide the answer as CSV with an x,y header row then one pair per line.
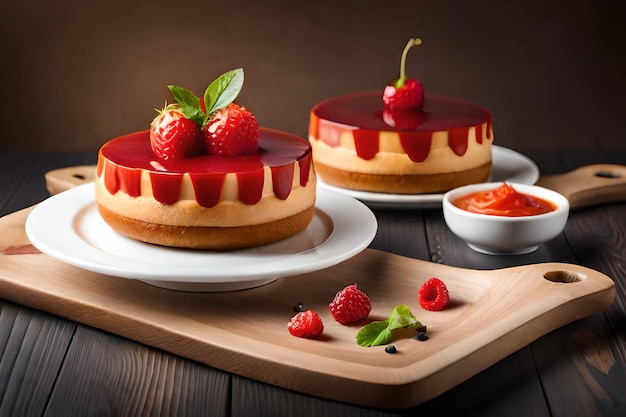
x,y
507,165
68,227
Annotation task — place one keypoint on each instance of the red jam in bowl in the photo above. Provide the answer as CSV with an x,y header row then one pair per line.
x,y
504,201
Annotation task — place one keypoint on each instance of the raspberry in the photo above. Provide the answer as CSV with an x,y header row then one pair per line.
x,y
409,96
306,324
404,93
350,305
433,295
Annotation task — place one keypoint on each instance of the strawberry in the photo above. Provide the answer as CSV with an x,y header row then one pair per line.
x,y
230,131
433,295
307,324
174,136
221,126
350,305
404,93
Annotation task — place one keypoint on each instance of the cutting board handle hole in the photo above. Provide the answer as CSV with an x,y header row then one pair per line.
x,y
608,174
79,176
564,276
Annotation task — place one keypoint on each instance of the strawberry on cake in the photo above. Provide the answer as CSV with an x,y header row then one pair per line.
x,y
206,176
402,141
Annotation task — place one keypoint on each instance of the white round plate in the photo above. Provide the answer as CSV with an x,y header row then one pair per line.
x,y
68,227
507,165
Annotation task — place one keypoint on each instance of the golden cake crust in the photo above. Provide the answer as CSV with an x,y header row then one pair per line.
x,y
208,237
402,184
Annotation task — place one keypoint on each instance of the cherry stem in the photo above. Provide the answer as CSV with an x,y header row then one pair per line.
x,y
409,45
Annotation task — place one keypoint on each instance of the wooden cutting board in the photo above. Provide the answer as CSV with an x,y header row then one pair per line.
x,y
589,185
492,314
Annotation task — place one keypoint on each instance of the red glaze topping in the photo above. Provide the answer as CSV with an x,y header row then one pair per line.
x,y
131,154
504,201
363,113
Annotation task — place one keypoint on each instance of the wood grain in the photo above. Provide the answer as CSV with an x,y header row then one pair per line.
x,y
22,176
62,179
493,314
590,354
589,185
32,352
532,381
134,380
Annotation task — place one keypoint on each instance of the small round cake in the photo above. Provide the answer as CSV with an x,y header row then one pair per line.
x,y
207,201
206,176
358,144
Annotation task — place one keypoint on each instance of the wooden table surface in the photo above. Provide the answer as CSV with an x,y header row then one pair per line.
x,y
51,366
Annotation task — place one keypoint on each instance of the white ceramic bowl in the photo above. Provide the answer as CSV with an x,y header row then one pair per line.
x,y
505,235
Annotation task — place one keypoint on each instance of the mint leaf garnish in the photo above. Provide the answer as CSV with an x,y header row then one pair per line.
x,y
374,334
184,96
223,90
219,94
381,332
401,317
189,104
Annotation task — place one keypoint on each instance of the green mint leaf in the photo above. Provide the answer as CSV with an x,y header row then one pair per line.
x,y
189,104
183,96
223,90
374,334
381,332
401,316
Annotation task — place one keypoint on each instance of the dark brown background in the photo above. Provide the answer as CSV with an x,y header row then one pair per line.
x,y
75,74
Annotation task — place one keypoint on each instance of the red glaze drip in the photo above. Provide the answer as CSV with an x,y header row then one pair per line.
x,y
166,187
305,168
282,178
129,155
208,188
113,182
479,134
366,143
362,112
99,165
314,124
416,146
458,139
250,187
127,181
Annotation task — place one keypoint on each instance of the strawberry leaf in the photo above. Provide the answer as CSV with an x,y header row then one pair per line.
x,y
189,104
223,90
